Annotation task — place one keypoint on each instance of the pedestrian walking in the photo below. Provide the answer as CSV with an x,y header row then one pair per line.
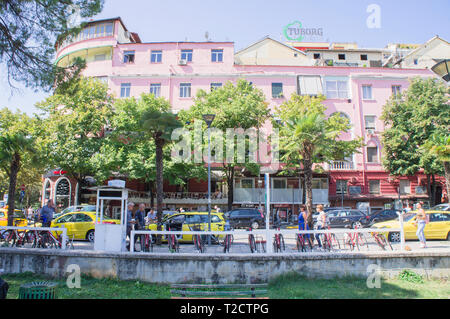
x,y
420,222
46,213
321,222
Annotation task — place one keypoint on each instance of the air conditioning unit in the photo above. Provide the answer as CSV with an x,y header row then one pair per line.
x,y
182,62
370,131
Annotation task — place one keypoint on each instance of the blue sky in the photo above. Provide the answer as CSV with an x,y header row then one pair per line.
x,y
246,21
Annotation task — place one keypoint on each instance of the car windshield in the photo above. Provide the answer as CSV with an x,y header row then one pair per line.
x,y
408,217
439,207
19,214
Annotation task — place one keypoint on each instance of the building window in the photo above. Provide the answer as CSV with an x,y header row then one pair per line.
x,y
372,154
99,57
215,86
341,56
337,89
319,183
156,56
369,121
396,91
367,92
374,187
185,89
155,89
125,89
128,57
216,55
341,186
62,193
416,61
405,187
278,183
316,56
363,57
186,55
277,90
244,183
310,85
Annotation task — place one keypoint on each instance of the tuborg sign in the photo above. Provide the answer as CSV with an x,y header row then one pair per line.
x,y
296,32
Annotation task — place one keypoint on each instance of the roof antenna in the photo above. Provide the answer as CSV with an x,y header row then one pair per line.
x,y
207,36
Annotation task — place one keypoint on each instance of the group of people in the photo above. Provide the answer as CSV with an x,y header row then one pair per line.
x,y
421,221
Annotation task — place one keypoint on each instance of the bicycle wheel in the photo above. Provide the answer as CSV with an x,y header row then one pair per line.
x,y
386,242
300,243
282,245
379,241
335,242
361,241
252,243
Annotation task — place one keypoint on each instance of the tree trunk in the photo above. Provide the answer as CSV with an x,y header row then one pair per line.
x,y
14,170
159,143
447,179
230,186
307,167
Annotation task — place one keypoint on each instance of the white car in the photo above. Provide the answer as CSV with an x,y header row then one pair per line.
x,y
441,207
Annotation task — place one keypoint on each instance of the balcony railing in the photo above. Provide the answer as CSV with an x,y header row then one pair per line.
x,y
341,166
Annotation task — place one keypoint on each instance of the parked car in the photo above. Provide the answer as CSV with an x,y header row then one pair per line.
x,y
347,218
383,215
245,218
441,207
184,222
327,209
437,228
19,218
80,225
77,208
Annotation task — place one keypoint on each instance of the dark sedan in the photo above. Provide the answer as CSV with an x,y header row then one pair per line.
x,y
383,215
347,218
245,218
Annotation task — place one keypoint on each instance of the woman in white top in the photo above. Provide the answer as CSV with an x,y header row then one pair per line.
x,y
321,222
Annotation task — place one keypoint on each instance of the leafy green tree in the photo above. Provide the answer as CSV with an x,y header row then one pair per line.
x,y
239,105
439,146
28,32
410,121
75,122
308,137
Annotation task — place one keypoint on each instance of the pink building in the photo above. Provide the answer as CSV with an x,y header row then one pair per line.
x,y
177,70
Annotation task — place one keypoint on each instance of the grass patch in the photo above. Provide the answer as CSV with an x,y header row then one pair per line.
x,y
299,287
91,288
288,286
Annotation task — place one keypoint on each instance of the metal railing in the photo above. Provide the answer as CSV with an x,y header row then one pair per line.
x,y
268,235
50,229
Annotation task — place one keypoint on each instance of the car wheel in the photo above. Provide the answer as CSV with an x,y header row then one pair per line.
x,y
394,237
255,225
90,236
357,225
448,235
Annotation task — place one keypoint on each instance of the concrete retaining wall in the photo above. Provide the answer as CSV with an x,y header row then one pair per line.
x,y
179,268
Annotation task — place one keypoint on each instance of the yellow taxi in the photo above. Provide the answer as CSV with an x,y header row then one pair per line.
x,y
19,218
437,228
192,221
80,225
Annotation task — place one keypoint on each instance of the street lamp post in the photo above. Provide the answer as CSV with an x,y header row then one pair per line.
x,y
260,191
209,118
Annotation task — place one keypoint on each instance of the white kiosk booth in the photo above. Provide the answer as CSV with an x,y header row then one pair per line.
x,y
111,237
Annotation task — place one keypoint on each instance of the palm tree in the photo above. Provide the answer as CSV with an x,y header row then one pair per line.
x,y
439,146
12,149
308,137
159,122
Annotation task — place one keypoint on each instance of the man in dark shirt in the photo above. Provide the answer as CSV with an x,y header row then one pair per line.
x,y
46,213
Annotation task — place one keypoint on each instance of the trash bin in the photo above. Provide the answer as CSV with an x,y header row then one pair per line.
x,y
38,290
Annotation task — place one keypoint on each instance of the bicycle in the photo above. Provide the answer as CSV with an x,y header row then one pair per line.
x,y
228,240
302,244
197,239
14,237
172,240
52,241
357,239
278,241
381,240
